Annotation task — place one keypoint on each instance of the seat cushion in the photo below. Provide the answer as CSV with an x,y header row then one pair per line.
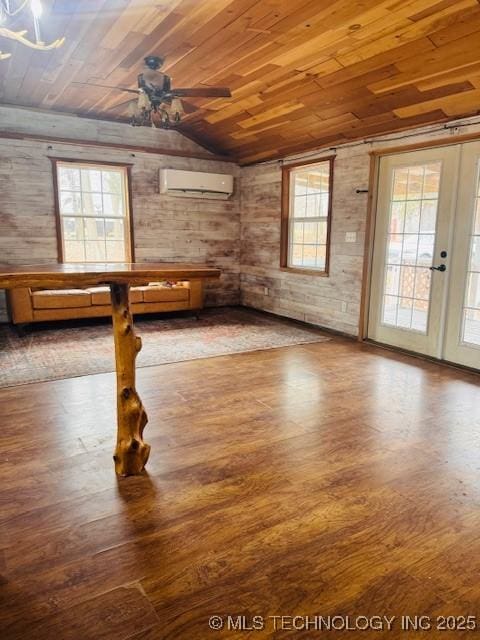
x,y
159,293
61,299
101,295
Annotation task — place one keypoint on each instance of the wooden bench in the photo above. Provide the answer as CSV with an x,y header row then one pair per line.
x,y
38,305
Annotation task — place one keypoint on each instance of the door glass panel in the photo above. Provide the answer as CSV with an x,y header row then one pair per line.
x,y
410,244
471,309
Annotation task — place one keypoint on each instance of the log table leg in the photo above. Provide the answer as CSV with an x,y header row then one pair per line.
x,y
131,453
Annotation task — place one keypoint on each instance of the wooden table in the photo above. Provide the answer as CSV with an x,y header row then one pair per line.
x,y
131,453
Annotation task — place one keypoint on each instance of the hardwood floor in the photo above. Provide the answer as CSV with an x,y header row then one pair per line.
x,y
324,479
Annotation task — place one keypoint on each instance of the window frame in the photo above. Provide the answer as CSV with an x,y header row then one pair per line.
x,y
129,233
287,172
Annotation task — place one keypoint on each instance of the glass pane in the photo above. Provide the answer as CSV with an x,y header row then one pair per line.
x,y
471,311
428,219
389,314
113,205
476,226
415,182
299,206
400,179
410,248
397,217
407,281
394,249
309,255
70,202
310,232
315,183
324,202
318,177
300,182
91,180
475,255
72,228
471,326
112,182
473,291
94,228
404,313
412,216
297,255
92,204
420,315
114,230
95,251
426,244
423,279
69,179
297,233
322,232
115,251
321,256
313,206
431,184
392,284
73,251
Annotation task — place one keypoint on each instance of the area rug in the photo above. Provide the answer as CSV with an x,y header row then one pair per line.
x,y
53,351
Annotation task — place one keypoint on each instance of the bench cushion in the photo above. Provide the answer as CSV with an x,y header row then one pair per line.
x,y
101,295
61,299
156,293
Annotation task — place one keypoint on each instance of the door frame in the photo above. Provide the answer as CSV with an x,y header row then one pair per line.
x,y
371,220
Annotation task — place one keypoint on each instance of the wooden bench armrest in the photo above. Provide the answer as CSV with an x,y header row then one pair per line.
x,y
20,305
196,293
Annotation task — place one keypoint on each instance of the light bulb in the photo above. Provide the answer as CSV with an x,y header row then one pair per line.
x,y
36,7
177,107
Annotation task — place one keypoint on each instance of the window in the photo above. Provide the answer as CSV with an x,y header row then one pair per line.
x,y
306,216
93,212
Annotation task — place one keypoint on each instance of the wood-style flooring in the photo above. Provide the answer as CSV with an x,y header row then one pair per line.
x,y
331,478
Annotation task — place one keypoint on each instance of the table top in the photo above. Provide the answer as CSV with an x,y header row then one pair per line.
x,y
80,275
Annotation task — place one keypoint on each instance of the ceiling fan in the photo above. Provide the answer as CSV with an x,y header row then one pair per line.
x,y
158,104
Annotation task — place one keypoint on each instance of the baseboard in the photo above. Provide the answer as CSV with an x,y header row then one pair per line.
x,y
302,323
421,356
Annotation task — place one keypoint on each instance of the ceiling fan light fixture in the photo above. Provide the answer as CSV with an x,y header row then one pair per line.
x,y
132,109
143,101
158,104
175,109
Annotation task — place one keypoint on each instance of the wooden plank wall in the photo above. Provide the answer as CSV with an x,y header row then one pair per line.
x,y
333,301
174,229
165,227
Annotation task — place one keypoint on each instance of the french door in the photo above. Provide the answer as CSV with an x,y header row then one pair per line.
x,y
425,287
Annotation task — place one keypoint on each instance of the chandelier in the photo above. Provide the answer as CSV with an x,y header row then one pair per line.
x,y
11,8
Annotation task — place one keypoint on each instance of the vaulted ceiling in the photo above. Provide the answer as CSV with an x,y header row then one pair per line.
x,y
303,73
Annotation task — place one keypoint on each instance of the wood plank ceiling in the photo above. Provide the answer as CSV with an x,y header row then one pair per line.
x,y
303,73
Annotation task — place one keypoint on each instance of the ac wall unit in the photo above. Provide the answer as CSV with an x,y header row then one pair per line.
x,y
196,184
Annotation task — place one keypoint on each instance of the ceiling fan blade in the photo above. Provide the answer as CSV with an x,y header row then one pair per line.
x,y
104,86
207,92
122,104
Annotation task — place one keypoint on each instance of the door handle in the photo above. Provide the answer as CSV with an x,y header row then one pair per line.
x,y
441,267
